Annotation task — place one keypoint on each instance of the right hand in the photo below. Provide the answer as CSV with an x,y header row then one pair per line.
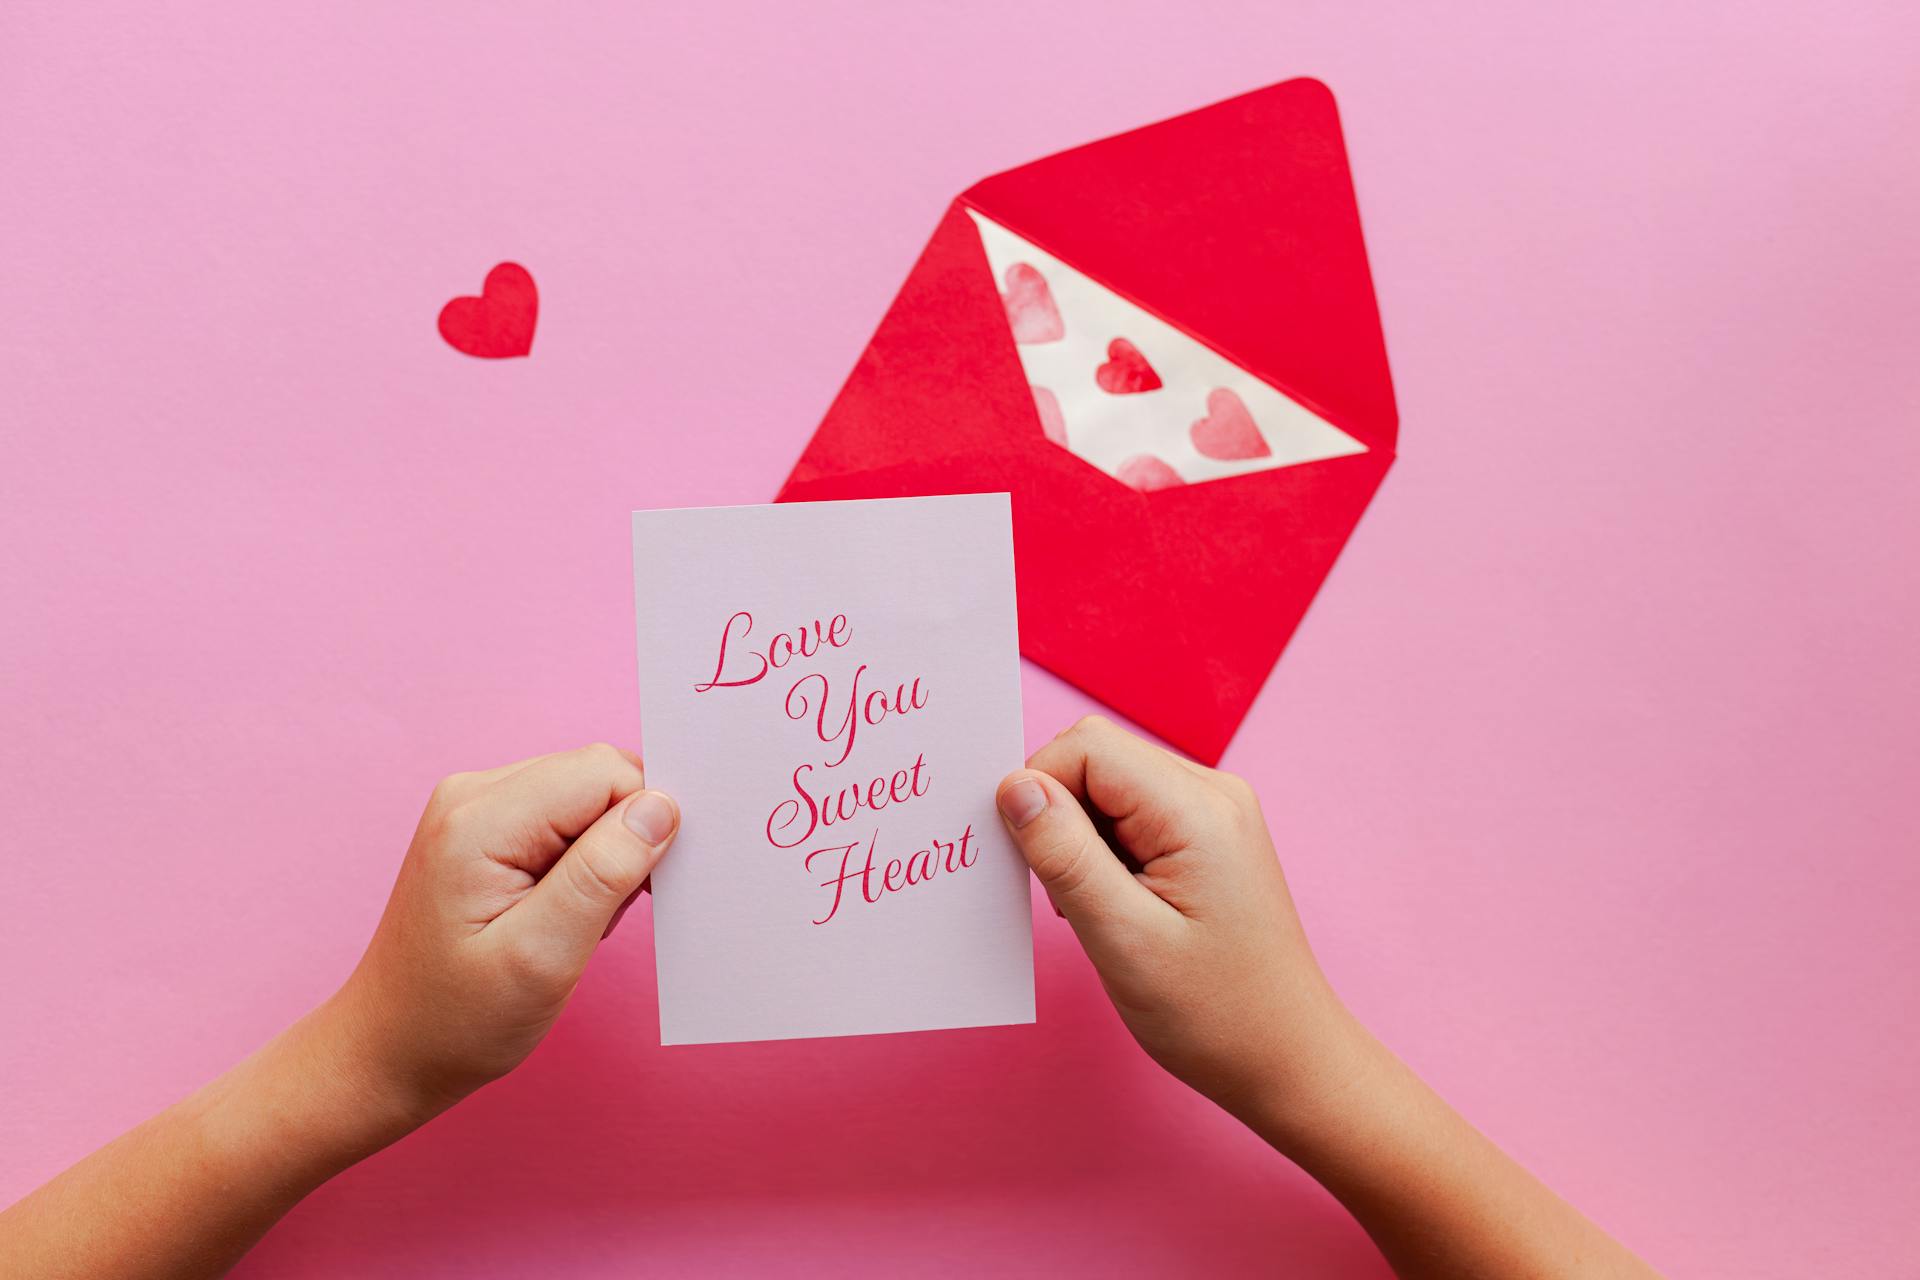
x,y
1200,949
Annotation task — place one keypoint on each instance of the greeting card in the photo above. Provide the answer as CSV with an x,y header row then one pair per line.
x,y
1165,346
832,693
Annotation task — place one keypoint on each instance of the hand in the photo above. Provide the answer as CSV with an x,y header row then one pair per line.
x,y
1199,948
513,877
1203,955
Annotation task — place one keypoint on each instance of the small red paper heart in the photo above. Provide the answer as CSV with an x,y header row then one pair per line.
x,y
1126,370
1030,309
1227,432
1146,473
1053,423
498,323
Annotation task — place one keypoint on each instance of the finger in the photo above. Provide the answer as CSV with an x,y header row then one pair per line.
x,y
475,779
1084,880
575,903
467,784
620,913
1148,793
549,802
487,777
646,886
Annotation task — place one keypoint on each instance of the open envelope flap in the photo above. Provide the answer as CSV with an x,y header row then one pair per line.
x,y
939,378
1171,606
1235,223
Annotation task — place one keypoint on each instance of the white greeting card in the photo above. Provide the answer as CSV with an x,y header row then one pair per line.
x,y
831,690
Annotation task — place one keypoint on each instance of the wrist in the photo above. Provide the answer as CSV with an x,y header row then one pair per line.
x,y
375,1094
304,1107
1313,1089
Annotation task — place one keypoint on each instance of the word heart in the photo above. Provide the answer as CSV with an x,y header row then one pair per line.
x,y
918,867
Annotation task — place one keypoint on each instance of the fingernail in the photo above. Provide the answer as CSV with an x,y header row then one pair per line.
x,y
1022,802
650,816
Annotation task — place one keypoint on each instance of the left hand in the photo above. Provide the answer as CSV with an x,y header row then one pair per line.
x,y
513,877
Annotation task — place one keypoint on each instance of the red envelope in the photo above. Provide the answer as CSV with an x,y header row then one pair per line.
x,y
1234,229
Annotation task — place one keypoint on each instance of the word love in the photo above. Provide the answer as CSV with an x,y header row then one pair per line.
x,y
804,642
858,866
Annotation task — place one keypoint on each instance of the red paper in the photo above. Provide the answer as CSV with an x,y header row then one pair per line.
x,y
499,322
1235,224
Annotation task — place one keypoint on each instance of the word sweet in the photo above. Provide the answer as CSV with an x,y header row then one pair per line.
x,y
876,793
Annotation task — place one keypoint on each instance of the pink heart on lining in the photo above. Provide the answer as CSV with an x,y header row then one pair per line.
x,y
1146,473
1126,371
1228,431
1030,309
1053,423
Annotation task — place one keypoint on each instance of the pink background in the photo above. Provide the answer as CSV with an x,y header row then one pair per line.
x,y
1593,768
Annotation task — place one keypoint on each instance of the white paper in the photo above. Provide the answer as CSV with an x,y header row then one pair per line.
x,y
1208,419
767,921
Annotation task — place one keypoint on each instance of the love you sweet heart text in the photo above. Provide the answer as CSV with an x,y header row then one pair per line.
x,y
835,708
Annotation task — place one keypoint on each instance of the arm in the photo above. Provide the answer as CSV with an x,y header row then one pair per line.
x,y
1203,956
513,878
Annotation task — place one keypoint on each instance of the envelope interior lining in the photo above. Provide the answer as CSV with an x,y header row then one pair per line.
x,y
1130,393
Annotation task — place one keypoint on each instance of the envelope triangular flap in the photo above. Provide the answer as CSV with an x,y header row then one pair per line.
x,y
940,377
1236,223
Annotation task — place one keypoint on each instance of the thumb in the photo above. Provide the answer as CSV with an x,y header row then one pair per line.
x,y
1083,878
576,900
